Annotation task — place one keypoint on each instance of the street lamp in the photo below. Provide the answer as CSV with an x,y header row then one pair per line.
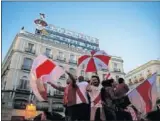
x,y
30,111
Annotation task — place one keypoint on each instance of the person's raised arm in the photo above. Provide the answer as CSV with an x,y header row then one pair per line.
x,y
88,88
60,88
72,79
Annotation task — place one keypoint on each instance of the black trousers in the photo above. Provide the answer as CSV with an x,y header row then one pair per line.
x,y
79,112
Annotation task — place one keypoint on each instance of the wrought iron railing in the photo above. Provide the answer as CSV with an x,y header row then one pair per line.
x,y
28,50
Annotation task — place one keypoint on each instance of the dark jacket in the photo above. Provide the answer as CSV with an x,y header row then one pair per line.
x,y
108,96
121,90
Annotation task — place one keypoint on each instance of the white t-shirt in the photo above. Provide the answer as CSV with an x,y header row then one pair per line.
x,y
82,86
95,91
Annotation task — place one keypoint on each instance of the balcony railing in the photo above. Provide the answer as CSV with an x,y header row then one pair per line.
x,y
72,61
26,68
20,88
49,55
31,51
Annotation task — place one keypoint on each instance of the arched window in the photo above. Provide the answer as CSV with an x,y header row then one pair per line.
x,y
24,83
27,64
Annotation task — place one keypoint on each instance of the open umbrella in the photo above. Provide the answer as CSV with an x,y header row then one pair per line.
x,y
94,61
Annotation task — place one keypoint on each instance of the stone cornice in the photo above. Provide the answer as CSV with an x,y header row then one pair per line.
x,y
41,39
117,59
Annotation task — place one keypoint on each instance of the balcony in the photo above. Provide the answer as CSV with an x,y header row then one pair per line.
x,y
31,51
73,62
22,89
49,55
26,68
61,58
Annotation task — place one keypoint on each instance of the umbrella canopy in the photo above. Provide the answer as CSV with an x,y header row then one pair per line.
x,y
94,61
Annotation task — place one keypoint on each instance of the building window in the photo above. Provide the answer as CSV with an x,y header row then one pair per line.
x,y
72,57
48,53
24,83
4,85
30,46
82,72
115,66
117,77
29,49
27,64
60,54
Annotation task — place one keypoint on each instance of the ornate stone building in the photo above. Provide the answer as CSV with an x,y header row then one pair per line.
x,y
58,44
138,75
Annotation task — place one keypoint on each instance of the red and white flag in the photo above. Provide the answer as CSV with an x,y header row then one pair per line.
x,y
43,70
145,95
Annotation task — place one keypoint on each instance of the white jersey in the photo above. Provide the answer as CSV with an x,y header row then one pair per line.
x,y
82,87
94,95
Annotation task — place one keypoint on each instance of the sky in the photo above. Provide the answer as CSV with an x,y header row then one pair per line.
x,y
130,30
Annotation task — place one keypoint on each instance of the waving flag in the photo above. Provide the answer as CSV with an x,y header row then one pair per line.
x,y
43,70
145,95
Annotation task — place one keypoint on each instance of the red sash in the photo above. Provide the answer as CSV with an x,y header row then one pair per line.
x,y
65,97
97,99
81,96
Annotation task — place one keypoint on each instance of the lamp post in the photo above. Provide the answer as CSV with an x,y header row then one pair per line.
x,y
30,111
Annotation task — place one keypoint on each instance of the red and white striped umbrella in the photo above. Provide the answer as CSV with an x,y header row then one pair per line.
x,y
94,61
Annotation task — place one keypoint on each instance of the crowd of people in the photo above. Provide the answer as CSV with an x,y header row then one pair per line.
x,y
93,100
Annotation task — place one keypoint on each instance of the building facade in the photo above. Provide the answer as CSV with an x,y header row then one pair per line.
x,y
65,49
138,75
